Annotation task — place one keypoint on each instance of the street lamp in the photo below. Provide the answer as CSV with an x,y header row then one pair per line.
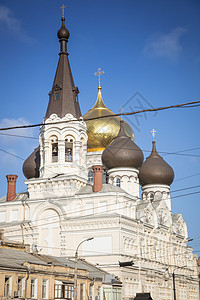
x,y
173,279
76,264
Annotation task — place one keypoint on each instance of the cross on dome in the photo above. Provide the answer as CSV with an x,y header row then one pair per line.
x,y
153,131
99,73
121,110
63,10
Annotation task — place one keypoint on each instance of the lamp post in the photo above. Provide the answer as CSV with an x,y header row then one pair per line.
x,y
173,280
76,264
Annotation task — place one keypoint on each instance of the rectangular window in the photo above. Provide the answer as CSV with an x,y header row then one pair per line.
x,y
7,286
56,96
91,292
20,287
64,291
33,288
82,291
45,286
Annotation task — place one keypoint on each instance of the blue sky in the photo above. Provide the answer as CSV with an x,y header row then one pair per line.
x,y
149,51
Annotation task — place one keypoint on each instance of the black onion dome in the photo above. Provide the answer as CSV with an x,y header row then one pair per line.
x,y
155,170
32,164
122,152
63,33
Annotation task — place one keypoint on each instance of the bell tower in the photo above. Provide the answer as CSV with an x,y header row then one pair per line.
x,y
63,139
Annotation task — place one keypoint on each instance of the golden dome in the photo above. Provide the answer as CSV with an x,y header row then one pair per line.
x,y
102,131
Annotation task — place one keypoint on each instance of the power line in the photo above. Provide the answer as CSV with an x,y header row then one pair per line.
x,y
183,178
185,195
101,117
187,188
107,205
20,136
92,214
12,154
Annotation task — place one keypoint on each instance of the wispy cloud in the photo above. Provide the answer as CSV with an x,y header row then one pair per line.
x,y
14,149
166,45
8,137
13,24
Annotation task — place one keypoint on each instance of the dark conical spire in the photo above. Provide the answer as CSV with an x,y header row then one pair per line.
x,y
63,98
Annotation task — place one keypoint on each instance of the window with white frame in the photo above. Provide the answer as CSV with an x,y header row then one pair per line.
x,y
63,291
54,149
33,288
45,287
68,149
90,176
7,286
20,286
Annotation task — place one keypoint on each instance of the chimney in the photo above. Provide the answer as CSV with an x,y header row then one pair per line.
x,y
97,170
11,193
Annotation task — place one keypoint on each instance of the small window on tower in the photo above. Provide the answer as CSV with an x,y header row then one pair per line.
x,y
54,152
151,197
118,183
90,176
56,96
69,150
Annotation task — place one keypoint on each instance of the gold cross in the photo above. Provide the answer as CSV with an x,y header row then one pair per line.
x,y
153,131
121,110
63,10
99,73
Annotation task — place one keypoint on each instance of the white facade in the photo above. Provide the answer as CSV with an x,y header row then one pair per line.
x,y
60,210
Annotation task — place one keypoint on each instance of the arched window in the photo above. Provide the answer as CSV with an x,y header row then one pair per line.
x,y
69,149
90,176
118,182
151,197
105,176
54,149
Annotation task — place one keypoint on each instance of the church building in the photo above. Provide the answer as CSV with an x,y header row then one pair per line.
x,y
88,179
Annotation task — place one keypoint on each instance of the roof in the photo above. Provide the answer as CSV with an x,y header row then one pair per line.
x,y
19,197
16,258
63,98
106,187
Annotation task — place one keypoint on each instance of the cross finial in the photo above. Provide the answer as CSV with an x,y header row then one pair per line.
x,y
121,110
153,131
99,73
63,10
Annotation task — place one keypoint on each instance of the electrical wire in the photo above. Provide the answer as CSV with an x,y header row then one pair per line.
x,y
105,206
108,116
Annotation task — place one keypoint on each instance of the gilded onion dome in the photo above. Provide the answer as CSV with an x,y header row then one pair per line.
x,y
155,170
32,164
102,131
122,152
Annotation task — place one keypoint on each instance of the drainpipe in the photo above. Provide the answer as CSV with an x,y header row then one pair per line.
x,y
26,280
